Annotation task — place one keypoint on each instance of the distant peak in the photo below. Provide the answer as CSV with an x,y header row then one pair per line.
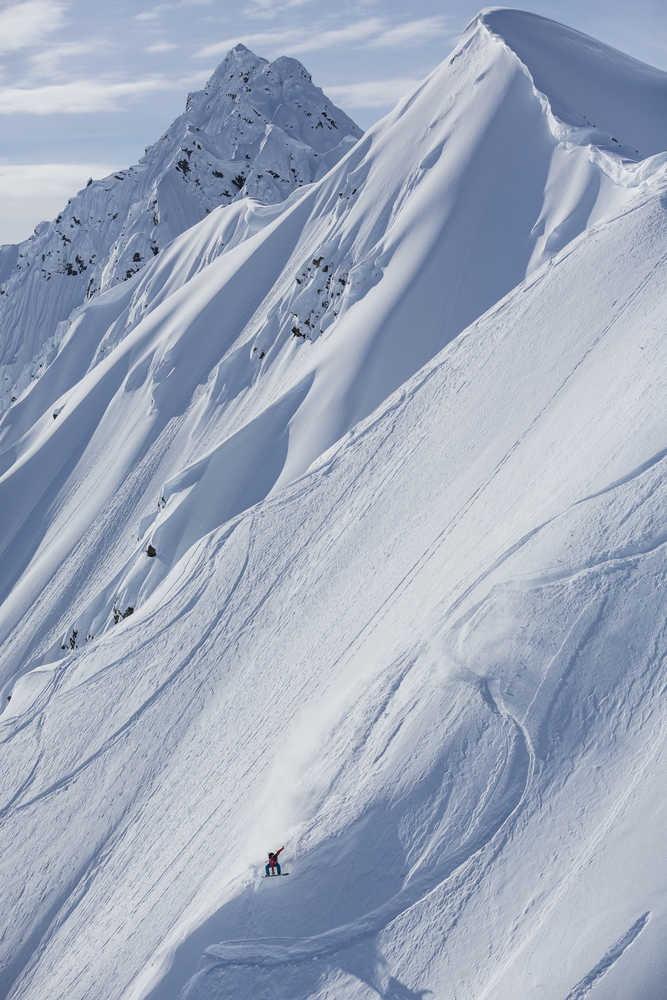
x,y
243,65
286,66
240,59
242,54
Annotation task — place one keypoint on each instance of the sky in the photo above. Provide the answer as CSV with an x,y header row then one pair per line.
x,y
86,86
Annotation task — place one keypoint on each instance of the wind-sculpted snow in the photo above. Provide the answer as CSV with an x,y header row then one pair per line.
x,y
340,526
612,100
316,310
258,129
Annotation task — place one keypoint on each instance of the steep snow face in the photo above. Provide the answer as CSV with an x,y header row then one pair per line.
x,y
271,330
258,128
430,667
612,100
299,546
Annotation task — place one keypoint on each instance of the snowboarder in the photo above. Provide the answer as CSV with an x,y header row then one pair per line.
x,y
273,862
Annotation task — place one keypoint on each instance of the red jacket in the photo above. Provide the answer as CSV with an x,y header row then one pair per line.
x,y
273,856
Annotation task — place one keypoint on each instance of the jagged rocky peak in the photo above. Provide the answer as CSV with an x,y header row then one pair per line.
x,y
239,63
257,129
259,93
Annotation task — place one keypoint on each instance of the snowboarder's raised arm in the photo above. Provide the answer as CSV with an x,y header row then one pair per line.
x,y
278,852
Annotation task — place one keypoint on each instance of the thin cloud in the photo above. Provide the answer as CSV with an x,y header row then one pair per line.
x,y
419,30
53,62
154,13
297,40
31,192
270,8
25,178
86,96
372,93
257,39
375,32
359,31
25,24
161,47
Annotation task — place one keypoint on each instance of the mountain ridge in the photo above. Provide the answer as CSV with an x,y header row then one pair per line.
x,y
338,526
257,128
615,88
318,322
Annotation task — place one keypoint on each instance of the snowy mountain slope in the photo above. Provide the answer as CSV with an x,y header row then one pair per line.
x,y
258,128
431,665
308,315
423,649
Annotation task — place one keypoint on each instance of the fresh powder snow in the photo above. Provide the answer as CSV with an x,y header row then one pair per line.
x,y
340,525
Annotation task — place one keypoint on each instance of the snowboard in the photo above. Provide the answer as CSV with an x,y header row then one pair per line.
x,y
277,876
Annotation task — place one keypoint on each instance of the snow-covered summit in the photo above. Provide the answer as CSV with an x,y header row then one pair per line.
x,y
257,128
246,94
614,100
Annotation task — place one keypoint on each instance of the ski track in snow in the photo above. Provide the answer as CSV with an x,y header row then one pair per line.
x,y
585,985
208,639
270,952
397,445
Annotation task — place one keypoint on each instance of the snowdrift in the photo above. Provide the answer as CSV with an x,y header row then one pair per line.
x,y
397,447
